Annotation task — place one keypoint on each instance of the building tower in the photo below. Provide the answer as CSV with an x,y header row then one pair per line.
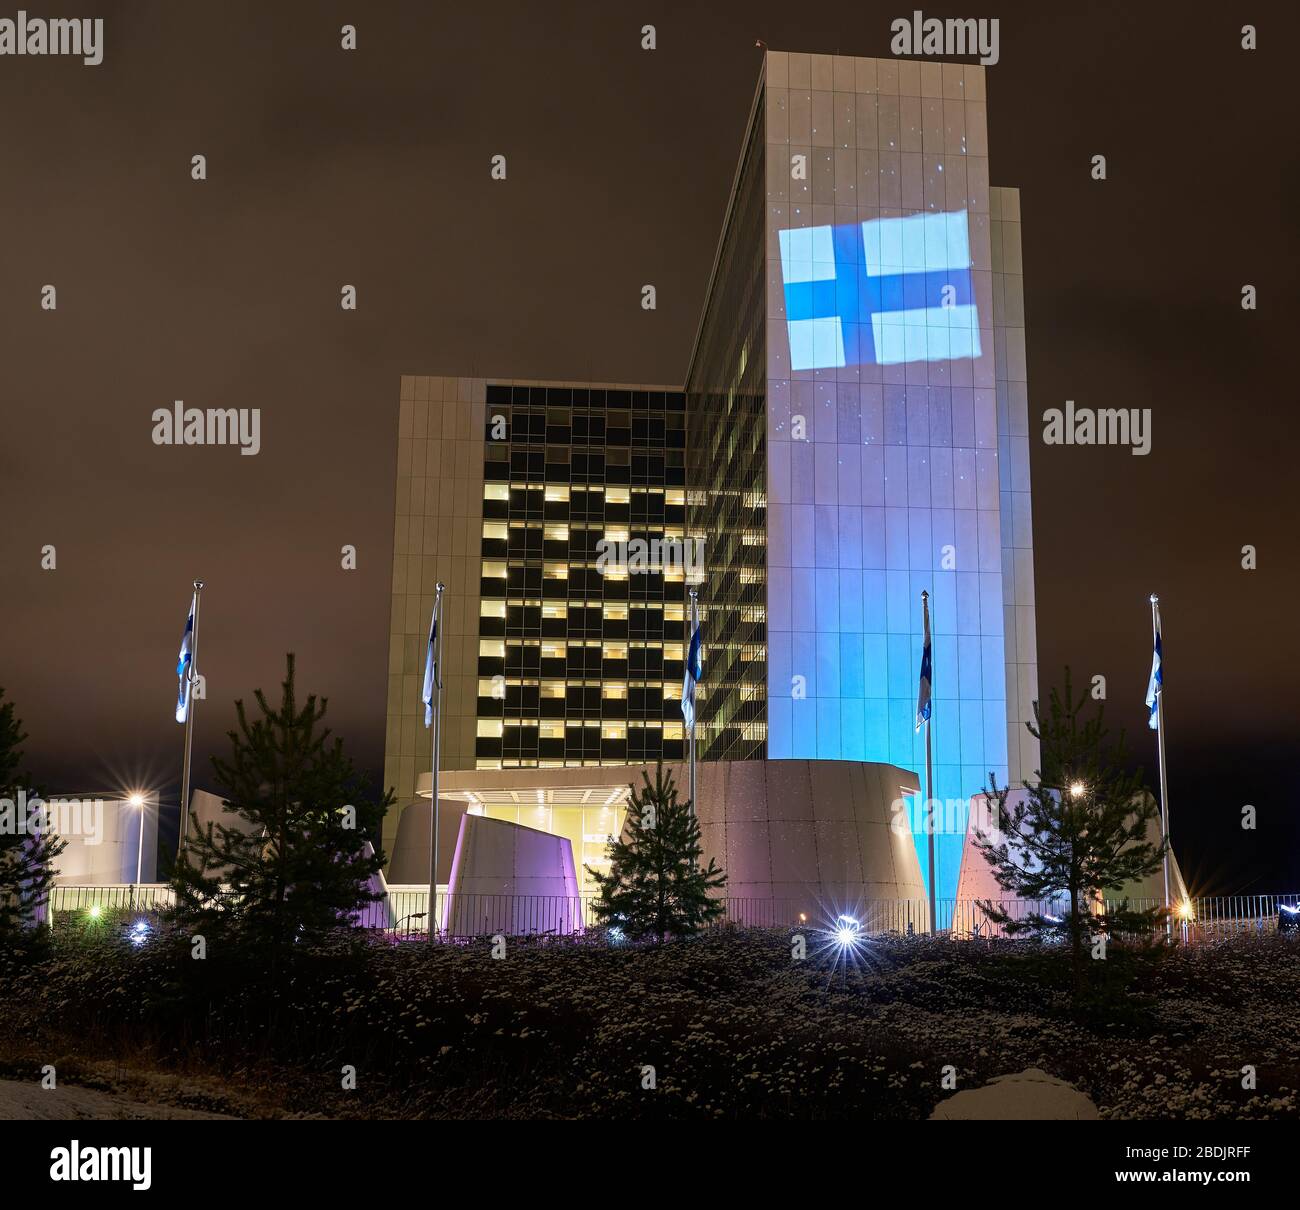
x,y
858,432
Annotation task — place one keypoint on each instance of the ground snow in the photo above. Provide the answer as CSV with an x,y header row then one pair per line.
x,y
26,1101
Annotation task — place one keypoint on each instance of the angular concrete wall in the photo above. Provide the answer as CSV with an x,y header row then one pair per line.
x,y
810,837
510,879
103,839
408,860
977,882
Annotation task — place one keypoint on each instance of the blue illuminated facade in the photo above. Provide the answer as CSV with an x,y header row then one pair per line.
x,y
893,456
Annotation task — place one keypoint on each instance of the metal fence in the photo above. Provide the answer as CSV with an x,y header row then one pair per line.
x,y
404,913
147,897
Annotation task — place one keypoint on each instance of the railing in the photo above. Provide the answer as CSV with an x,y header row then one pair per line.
x,y
124,896
403,913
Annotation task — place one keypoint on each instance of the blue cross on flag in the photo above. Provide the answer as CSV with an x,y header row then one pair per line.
x,y
694,672
432,673
1156,685
882,292
183,663
923,693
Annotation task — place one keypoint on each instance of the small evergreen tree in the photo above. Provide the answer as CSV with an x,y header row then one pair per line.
x,y
1079,831
655,886
26,854
297,864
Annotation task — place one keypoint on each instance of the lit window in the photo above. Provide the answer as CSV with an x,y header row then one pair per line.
x,y
552,651
496,491
673,730
493,569
554,492
553,689
492,609
618,495
489,728
613,731
613,689
615,651
495,529
615,613
492,647
557,533
555,571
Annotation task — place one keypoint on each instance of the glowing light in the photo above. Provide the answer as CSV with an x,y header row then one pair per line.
x,y
1077,789
136,799
139,932
848,932
94,911
1185,910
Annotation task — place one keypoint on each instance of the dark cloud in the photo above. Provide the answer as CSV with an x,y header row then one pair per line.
x,y
371,168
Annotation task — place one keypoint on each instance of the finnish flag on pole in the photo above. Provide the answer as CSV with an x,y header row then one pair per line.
x,y
183,666
1155,686
923,693
694,672
432,673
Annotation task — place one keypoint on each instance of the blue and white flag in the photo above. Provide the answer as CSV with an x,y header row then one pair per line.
x,y
883,292
923,693
432,673
694,671
1155,686
184,664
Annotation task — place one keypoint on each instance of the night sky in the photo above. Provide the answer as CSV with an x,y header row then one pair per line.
x,y
371,168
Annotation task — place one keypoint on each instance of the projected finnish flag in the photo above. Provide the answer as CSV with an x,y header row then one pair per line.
x,y
882,292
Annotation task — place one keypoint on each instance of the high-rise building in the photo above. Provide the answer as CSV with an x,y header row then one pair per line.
x,y
858,433
853,430
552,656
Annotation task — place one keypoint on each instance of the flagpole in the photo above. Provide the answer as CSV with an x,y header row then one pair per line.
x,y
929,772
1160,749
435,756
189,723
689,637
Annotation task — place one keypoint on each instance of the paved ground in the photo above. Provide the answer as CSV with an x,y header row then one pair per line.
x,y
28,1101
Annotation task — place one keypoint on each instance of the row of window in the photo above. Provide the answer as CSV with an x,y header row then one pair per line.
x,y
672,750
489,728
585,397
506,424
560,463
610,493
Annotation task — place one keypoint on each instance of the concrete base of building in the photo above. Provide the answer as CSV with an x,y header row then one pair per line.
x,y
801,841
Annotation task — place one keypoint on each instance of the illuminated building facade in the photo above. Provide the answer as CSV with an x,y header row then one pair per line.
x,y
552,659
853,429
863,344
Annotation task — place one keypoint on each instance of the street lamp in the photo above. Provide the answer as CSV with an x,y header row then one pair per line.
x,y
137,800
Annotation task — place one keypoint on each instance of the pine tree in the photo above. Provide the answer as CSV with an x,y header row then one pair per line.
x,y
26,854
1079,831
295,862
655,886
